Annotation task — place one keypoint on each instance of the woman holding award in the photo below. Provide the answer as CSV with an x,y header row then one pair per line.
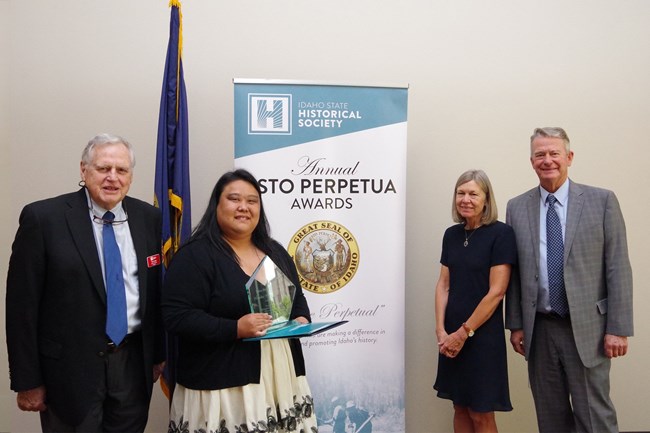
x,y
224,382
477,257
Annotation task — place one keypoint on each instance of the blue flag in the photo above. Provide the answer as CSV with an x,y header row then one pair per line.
x,y
172,184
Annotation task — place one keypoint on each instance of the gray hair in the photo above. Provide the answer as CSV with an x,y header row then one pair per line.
x,y
105,139
490,212
552,132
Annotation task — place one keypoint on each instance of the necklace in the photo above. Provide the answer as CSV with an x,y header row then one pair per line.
x,y
470,235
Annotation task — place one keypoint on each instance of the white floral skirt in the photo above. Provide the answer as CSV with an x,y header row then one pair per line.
x,y
281,402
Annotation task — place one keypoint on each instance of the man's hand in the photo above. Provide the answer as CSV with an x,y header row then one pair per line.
x,y
517,341
615,346
32,400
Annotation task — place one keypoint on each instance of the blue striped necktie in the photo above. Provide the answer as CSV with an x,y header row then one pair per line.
x,y
555,260
116,322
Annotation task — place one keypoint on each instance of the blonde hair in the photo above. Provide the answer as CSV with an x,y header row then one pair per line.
x,y
490,212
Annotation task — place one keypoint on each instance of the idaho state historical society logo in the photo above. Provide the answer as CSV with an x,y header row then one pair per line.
x,y
269,114
326,256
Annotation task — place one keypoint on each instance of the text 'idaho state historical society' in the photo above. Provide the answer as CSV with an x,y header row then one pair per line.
x,y
325,114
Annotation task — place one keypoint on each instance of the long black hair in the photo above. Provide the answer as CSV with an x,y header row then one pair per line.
x,y
209,228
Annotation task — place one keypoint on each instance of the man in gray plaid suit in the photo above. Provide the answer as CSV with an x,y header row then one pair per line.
x,y
569,348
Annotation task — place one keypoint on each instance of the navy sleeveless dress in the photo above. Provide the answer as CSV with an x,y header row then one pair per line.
x,y
477,377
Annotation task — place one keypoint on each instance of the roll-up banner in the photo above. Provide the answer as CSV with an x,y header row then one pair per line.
x,y
331,162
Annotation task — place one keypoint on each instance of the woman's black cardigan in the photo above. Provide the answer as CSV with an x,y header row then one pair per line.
x,y
203,296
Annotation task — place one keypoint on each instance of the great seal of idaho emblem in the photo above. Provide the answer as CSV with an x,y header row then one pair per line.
x,y
326,256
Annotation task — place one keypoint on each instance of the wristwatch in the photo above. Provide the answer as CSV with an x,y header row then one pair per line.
x,y
470,331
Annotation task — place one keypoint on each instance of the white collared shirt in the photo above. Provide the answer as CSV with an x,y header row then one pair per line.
x,y
561,206
127,253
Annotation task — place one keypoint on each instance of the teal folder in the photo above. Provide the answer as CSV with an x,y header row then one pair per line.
x,y
294,329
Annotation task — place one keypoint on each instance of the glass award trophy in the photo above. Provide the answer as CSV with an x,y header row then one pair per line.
x,y
270,291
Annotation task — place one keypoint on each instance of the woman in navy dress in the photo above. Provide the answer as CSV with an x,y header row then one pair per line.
x,y
477,257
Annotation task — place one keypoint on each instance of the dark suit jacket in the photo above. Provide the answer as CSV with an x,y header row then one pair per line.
x,y
56,300
597,272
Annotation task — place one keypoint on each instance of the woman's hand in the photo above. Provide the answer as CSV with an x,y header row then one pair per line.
x,y
158,370
451,344
253,325
441,335
302,320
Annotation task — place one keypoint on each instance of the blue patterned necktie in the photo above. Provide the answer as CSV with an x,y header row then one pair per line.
x,y
116,323
555,260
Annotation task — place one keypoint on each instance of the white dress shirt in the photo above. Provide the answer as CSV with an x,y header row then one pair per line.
x,y
127,253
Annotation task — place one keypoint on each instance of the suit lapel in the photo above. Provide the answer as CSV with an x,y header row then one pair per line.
x,y
532,207
81,230
138,230
574,211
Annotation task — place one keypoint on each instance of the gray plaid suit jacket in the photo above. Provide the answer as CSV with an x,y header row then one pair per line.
x,y
597,272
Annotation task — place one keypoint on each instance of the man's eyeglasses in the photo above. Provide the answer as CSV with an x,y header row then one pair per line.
x,y
100,220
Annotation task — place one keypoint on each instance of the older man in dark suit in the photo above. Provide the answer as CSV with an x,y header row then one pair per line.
x,y
569,304
83,324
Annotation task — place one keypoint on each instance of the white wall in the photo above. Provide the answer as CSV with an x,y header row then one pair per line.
x,y
6,214
482,75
